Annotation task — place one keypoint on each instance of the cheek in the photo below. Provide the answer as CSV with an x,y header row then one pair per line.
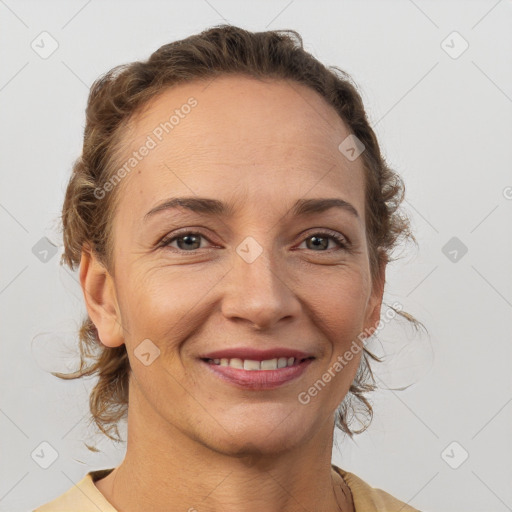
x,y
341,320
165,304
339,310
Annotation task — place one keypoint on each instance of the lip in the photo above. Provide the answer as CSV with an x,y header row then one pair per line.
x,y
256,354
258,379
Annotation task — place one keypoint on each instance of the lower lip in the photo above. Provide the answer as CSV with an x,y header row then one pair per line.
x,y
258,379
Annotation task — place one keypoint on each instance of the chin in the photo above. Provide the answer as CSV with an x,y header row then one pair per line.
x,y
251,438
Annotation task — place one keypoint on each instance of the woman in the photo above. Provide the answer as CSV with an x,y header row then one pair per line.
x,y
232,218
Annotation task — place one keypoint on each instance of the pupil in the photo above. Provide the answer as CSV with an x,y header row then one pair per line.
x,y
189,238
323,241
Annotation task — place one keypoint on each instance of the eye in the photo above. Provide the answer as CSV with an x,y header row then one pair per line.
x,y
321,240
186,241
190,241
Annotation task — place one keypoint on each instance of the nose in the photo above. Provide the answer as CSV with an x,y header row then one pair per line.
x,y
259,292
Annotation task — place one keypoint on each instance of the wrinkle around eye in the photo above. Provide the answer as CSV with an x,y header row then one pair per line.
x,y
349,238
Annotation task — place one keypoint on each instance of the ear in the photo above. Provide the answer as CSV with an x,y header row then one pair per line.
x,y
100,299
375,301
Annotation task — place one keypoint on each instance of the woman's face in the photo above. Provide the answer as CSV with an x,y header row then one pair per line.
x,y
257,276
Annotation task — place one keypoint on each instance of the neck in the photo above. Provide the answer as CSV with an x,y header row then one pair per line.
x,y
164,468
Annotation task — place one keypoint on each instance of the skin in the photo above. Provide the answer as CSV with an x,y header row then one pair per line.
x,y
195,441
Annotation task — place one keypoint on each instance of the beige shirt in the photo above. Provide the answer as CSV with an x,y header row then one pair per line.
x,y
85,497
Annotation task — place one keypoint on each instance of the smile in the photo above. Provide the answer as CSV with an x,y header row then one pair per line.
x,y
257,375
251,364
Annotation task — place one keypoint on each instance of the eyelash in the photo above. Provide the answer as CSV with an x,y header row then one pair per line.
x,y
342,242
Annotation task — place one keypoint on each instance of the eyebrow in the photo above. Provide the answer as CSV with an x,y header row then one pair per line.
x,y
215,207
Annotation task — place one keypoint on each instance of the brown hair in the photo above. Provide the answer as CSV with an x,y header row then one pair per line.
x,y
114,99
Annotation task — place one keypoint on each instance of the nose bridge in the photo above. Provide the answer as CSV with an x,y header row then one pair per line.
x,y
258,290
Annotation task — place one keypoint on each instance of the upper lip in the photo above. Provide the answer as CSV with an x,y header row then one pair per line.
x,y
256,354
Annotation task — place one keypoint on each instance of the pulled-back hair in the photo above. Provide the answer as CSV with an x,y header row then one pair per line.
x,y
114,99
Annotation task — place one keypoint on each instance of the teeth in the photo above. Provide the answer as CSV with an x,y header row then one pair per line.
x,y
269,364
250,364
236,363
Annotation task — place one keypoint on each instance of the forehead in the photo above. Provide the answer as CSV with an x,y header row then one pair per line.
x,y
266,139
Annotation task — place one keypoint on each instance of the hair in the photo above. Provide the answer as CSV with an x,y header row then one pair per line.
x,y
122,92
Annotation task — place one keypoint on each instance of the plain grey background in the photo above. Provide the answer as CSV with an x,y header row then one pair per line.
x,y
436,78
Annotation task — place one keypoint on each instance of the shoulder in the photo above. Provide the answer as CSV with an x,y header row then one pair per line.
x,y
84,496
367,498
